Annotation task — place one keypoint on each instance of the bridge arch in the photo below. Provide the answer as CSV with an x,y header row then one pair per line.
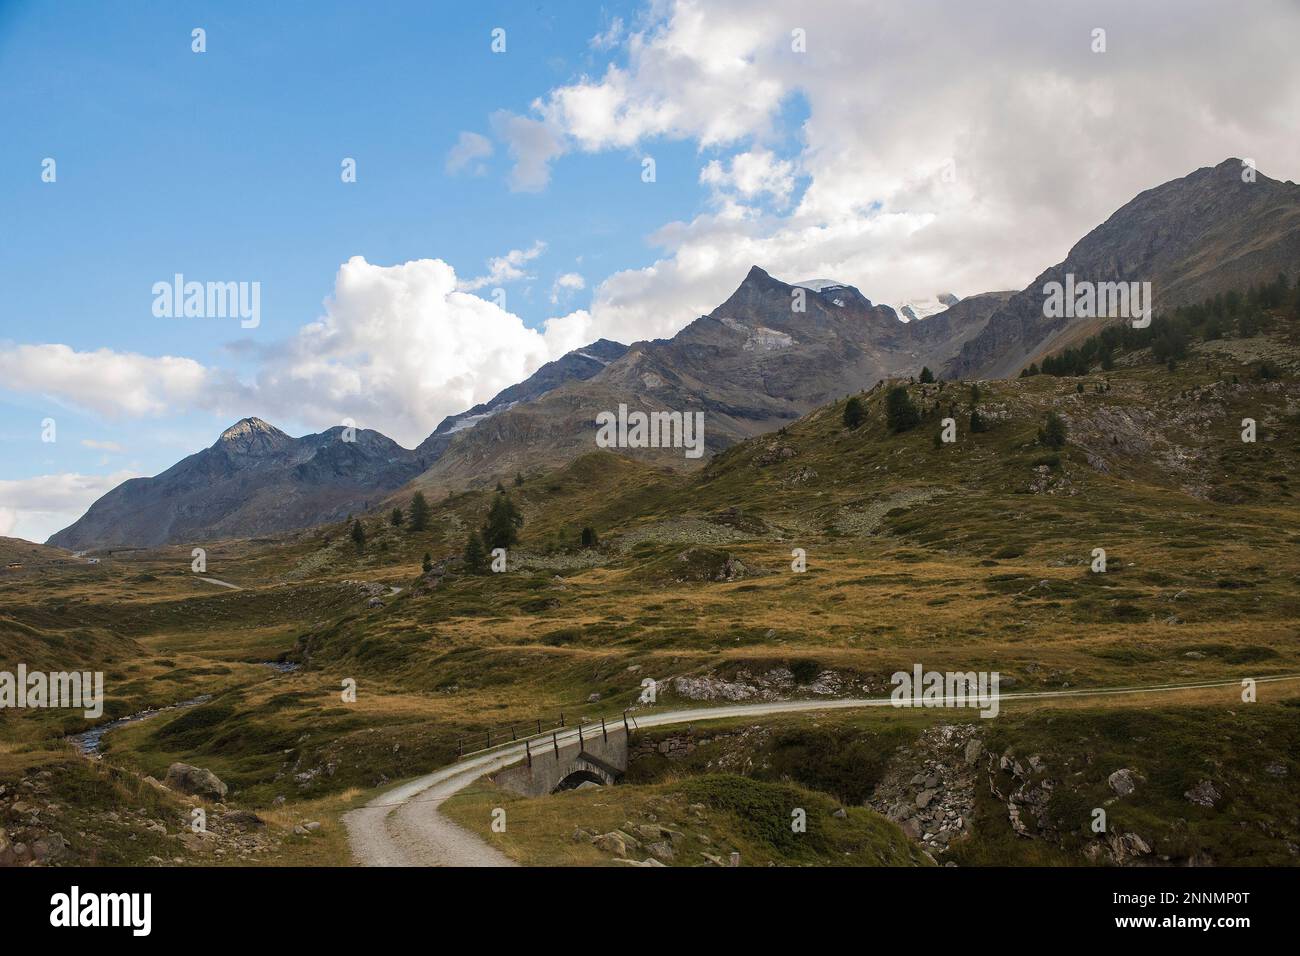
x,y
577,778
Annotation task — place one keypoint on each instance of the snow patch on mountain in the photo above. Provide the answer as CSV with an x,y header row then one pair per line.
x,y
914,310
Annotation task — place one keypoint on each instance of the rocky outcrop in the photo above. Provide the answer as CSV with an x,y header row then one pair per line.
x,y
929,787
196,781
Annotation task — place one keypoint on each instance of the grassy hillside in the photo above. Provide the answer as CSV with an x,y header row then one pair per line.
x,y
970,555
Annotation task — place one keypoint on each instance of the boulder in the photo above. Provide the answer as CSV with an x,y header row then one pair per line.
x,y
1203,794
196,781
1123,781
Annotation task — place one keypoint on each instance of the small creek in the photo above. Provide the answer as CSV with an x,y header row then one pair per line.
x,y
88,741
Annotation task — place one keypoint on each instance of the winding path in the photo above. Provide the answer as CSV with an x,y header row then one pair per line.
x,y
402,826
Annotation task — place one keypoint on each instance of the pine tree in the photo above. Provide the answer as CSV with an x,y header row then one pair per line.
x,y
589,537
475,559
419,512
396,518
503,523
519,478
900,414
926,375
1053,432
427,565
854,413
358,535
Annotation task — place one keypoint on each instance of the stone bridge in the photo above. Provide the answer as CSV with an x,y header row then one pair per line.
x,y
600,757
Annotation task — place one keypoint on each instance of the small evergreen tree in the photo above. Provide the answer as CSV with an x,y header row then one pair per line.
x,y
475,558
358,535
396,518
519,478
588,537
1053,432
503,523
419,512
926,375
900,414
427,565
854,413
976,422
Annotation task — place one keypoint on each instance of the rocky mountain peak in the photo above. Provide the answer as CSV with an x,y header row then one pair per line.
x,y
252,436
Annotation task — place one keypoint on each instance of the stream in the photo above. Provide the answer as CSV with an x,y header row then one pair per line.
x,y
88,741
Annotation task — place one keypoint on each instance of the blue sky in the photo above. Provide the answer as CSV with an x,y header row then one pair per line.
x,y
226,165
908,151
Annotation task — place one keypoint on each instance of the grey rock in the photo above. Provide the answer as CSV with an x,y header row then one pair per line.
x,y
195,780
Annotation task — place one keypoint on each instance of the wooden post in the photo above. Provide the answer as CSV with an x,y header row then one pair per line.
x,y
556,744
626,732
529,752
512,732
582,744
489,738
561,718
539,725
603,732
459,750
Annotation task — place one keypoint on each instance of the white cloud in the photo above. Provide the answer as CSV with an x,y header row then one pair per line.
x,y
565,283
751,175
110,446
507,268
1045,137
610,38
533,144
469,149
398,349
35,508
108,382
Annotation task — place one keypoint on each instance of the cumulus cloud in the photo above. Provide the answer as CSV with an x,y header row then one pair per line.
x,y
946,145
35,508
565,283
507,268
470,148
108,382
398,349
751,175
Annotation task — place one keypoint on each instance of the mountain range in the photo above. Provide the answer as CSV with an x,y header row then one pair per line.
x,y
768,355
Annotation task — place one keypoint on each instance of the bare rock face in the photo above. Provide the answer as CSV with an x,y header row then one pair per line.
x,y
1207,232
196,781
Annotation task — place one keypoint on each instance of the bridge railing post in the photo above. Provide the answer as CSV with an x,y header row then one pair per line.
x,y
556,744
582,744
529,752
603,732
